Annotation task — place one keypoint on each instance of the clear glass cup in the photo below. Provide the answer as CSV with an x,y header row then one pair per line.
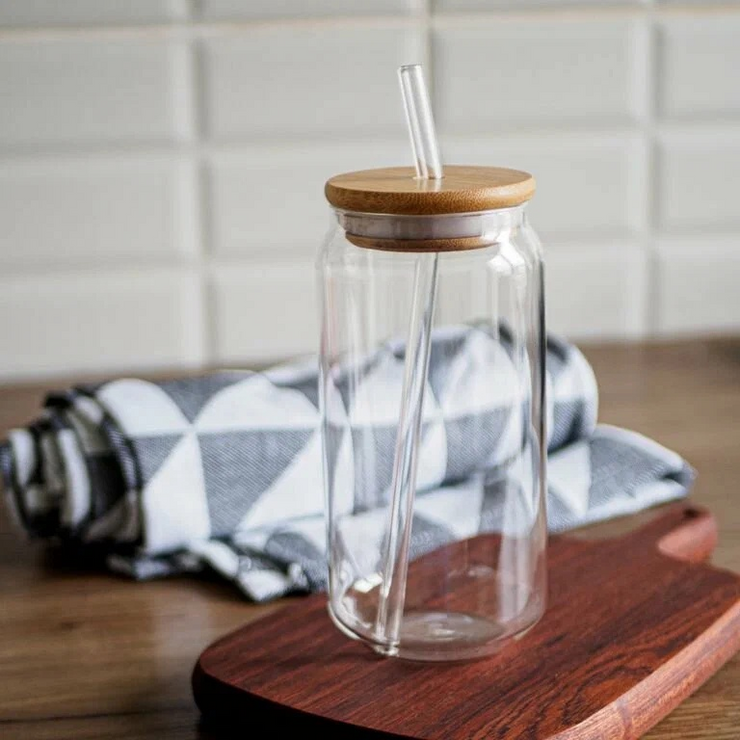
x,y
476,573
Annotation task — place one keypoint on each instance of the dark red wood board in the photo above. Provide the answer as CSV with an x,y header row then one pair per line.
x,y
634,625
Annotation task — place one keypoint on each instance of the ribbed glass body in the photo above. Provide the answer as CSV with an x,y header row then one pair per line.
x,y
476,573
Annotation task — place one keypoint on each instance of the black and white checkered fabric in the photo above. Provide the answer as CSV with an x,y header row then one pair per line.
x,y
224,471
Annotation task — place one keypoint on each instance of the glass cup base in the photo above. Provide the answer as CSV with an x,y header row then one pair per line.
x,y
444,636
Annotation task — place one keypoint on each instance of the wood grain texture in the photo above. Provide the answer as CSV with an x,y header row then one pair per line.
x,y
629,633
396,190
84,654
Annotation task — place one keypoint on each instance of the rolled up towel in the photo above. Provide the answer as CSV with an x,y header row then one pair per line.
x,y
224,470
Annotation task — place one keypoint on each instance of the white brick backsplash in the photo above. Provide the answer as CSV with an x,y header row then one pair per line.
x,y
99,322
599,292
586,184
699,60
72,210
699,285
265,311
232,9
270,202
70,12
699,180
84,91
292,82
532,72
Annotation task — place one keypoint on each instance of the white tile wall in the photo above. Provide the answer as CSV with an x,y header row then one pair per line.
x,y
699,59
269,201
464,5
74,12
588,185
534,73
263,311
699,285
233,9
73,210
598,294
702,4
87,90
91,321
698,178
162,162
295,83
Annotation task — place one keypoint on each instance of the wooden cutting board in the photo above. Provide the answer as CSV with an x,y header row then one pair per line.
x,y
634,625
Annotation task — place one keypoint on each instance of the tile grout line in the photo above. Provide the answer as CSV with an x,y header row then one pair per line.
x,y
654,85
189,30
189,27
190,117
198,158
176,146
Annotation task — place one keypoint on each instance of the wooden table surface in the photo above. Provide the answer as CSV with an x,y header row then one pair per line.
x,y
89,655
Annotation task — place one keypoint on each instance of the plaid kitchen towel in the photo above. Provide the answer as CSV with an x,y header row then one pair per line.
x,y
224,471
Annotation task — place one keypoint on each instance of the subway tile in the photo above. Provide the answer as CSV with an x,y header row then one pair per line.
x,y
85,91
99,321
699,58
264,311
699,4
94,210
82,12
597,292
257,9
699,179
587,185
270,202
594,292
295,82
531,72
699,284
465,5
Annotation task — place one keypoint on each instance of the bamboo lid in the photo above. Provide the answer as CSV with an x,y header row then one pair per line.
x,y
396,190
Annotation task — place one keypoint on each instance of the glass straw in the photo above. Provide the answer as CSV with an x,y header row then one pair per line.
x,y
420,122
392,591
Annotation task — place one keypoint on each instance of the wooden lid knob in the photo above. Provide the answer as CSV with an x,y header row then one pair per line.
x,y
397,190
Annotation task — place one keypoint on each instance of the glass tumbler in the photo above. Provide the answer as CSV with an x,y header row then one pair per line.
x,y
463,571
